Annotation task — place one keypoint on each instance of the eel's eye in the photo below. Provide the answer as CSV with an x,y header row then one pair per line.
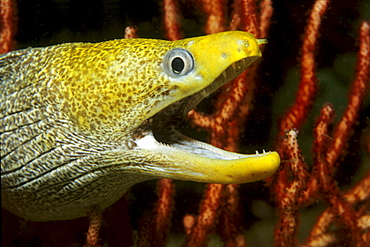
x,y
178,62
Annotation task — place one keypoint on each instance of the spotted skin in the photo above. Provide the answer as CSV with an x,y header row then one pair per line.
x,y
71,113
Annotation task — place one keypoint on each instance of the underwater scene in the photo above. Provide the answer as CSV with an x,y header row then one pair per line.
x,y
185,123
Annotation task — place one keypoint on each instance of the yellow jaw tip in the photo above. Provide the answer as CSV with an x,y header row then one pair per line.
x,y
246,169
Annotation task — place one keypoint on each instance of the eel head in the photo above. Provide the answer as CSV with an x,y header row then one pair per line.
x,y
81,123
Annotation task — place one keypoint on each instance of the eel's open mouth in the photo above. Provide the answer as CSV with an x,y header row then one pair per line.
x,y
162,134
164,128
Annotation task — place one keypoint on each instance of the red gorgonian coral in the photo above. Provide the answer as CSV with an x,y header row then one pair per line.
x,y
297,185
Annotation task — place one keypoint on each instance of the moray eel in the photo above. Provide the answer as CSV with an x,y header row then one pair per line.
x,y
82,122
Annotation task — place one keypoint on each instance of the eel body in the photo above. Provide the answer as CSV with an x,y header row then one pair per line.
x,y
82,122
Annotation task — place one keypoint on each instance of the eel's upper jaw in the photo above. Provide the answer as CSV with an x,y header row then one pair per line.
x,y
230,73
189,159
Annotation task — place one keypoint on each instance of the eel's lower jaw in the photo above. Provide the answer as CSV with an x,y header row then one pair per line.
x,y
189,159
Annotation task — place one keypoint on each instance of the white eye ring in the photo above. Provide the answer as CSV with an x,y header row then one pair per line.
x,y
178,62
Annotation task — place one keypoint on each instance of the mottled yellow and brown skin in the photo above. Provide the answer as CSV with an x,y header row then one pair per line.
x,y
73,118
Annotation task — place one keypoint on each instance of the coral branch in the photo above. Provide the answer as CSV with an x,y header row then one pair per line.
x,y
325,161
206,221
321,141
163,210
214,10
250,17
320,182
288,192
235,15
290,181
226,124
95,221
306,94
189,222
228,105
229,223
172,19
266,13
358,91
130,33
321,234
7,25
199,121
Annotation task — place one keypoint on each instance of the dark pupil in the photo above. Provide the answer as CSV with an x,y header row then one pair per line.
x,y
177,65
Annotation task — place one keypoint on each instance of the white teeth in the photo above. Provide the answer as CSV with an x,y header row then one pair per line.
x,y
234,70
234,66
263,151
242,63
